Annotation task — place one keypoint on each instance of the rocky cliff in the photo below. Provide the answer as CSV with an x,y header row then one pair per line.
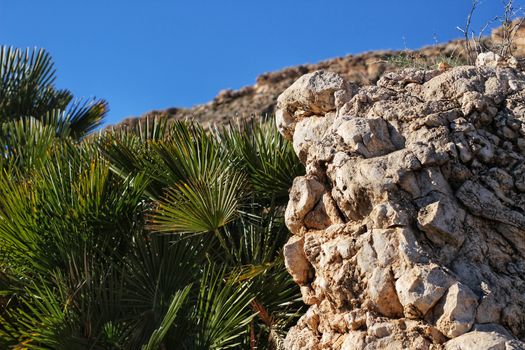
x,y
409,225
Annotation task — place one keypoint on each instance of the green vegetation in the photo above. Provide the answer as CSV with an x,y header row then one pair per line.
x,y
157,236
411,59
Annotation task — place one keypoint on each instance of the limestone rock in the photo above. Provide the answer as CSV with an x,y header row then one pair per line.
x,y
442,223
368,137
311,94
310,131
409,225
420,288
382,293
483,341
296,262
456,311
306,193
488,59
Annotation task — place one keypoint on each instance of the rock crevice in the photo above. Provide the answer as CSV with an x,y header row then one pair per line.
x,y
409,225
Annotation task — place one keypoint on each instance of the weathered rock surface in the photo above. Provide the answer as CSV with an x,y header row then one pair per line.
x,y
409,226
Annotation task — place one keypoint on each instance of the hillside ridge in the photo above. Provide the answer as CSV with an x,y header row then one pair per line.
x,y
260,98
363,69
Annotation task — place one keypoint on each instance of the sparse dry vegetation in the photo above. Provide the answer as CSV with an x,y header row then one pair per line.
x,y
508,23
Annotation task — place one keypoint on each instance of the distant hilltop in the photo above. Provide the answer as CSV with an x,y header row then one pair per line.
x,y
364,69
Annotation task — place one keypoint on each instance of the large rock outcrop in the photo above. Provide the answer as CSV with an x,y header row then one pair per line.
x,y
409,225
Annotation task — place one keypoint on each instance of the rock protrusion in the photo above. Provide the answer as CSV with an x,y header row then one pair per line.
x,y
409,225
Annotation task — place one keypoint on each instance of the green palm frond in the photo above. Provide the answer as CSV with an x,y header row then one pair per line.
x,y
67,203
144,129
89,255
27,89
160,333
200,205
203,192
257,243
43,319
169,155
267,158
157,268
189,152
256,238
26,143
27,84
129,149
222,312
83,117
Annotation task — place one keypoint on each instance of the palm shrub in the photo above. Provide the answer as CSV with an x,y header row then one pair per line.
x,y
230,186
34,114
27,89
155,236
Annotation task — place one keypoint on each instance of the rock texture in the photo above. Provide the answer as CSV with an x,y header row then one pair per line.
x,y
409,225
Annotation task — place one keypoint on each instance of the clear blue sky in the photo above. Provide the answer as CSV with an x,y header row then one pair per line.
x,y
154,54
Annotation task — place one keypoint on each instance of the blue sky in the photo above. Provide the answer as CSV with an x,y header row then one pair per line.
x,y
154,54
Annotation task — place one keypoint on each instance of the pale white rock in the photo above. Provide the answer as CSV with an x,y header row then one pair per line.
x,y
493,60
452,84
308,295
368,137
465,154
488,59
382,293
410,251
442,222
312,94
305,192
354,340
482,202
385,243
355,319
483,341
285,123
323,215
457,311
489,308
345,248
492,327
385,215
420,288
296,262
381,330
312,318
299,338
310,131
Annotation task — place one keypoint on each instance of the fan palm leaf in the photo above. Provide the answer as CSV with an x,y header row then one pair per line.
x,y
160,333
265,156
222,312
200,205
129,149
26,84
27,89
88,258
